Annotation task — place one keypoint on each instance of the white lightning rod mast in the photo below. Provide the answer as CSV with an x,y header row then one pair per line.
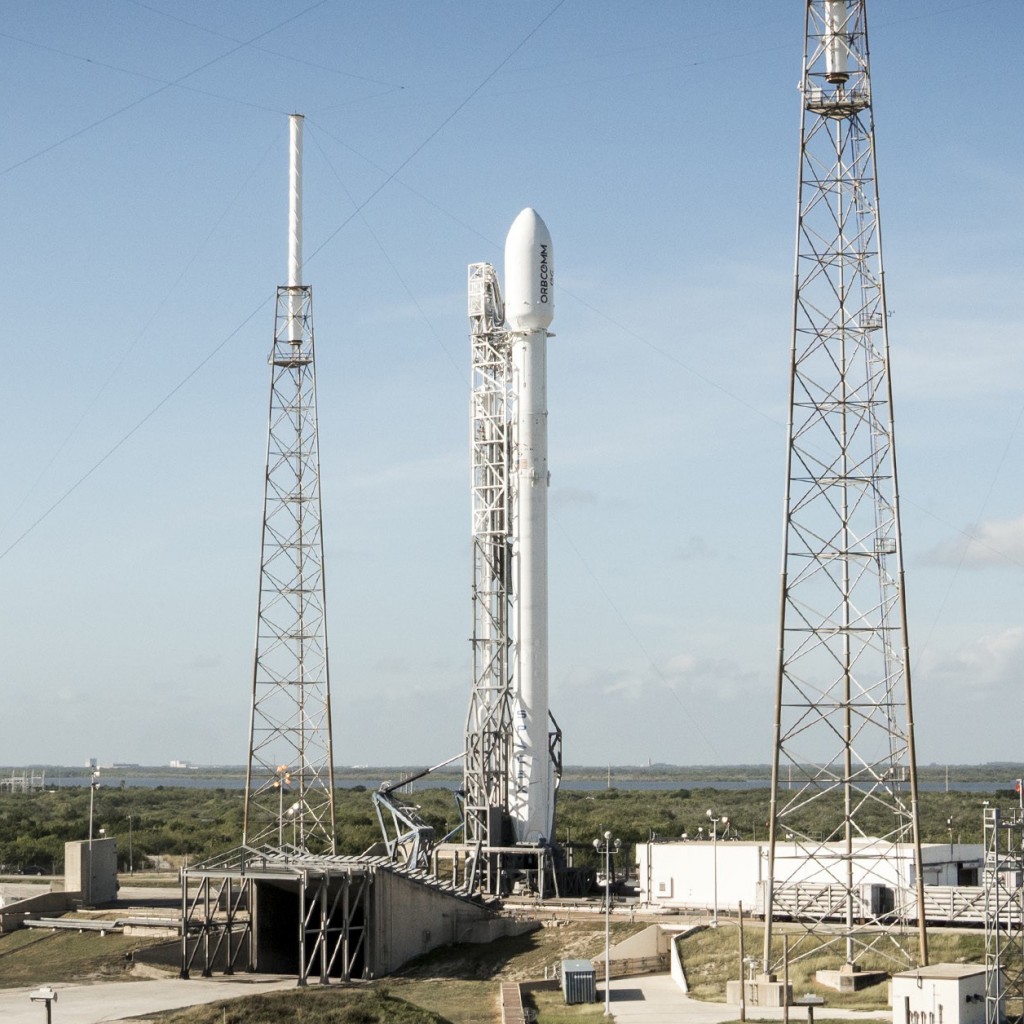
x,y
295,228
290,777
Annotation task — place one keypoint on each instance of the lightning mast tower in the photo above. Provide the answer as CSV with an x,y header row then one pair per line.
x,y
290,775
843,731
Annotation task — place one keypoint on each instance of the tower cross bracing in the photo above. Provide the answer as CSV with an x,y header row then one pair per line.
x,y
844,792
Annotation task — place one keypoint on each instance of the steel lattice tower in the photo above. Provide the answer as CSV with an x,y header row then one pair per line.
x,y
290,777
1003,882
844,786
489,723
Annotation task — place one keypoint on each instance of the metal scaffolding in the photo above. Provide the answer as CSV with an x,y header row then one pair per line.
x,y
1003,883
278,911
290,779
489,723
844,766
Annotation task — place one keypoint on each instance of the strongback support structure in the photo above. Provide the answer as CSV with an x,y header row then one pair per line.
x,y
290,776
489,724
1003,884
844,766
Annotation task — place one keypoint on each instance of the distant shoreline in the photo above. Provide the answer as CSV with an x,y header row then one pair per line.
x,y
982,777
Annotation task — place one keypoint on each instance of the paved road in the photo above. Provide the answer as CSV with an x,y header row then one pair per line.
x,y
110,1001
131,894
656,999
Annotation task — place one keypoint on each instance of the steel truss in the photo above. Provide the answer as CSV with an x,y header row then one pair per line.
x,y
489,723
1003,884
333,898
290,778
209,938
844,734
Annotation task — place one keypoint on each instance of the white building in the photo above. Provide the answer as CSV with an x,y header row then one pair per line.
x,y
940,994
697,875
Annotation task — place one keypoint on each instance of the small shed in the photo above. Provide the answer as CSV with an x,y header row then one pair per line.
x,y
579,984
940,994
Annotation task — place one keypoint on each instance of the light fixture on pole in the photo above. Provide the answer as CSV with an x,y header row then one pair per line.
x,y
283,779
44,995
606,846
293,814
94,784
714,855
131,861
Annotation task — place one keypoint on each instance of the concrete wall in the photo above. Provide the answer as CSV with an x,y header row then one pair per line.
x,y
410,919
652,941
40,905
96,881
939,1000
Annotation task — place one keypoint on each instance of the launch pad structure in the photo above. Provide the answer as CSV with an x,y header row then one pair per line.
x,y
513,745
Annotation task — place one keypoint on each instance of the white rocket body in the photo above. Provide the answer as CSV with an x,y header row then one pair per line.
x,y
529,309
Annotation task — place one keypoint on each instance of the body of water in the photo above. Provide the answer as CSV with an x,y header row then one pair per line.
x,y
112,779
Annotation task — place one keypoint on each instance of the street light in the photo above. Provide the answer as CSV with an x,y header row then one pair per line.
x,y
282,778
131,862
293,813
93,786
714,854
606,848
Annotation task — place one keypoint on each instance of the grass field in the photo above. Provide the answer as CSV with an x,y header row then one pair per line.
x,y
32,957
309,1006
710,958
458,984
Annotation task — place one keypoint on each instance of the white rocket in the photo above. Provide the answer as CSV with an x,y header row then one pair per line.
x,y
529,309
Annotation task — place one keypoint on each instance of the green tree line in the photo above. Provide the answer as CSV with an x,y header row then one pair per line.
x,y
198,823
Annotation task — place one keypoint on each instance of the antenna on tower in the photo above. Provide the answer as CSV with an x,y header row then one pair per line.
x,y
290,775
844,730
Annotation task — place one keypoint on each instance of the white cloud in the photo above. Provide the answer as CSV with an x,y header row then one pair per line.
x,y
997,542
987,664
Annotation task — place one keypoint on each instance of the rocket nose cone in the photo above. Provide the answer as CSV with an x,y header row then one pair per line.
x,y
528,225
529,273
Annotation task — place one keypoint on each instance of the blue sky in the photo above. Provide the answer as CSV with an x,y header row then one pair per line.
x,y
143,170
